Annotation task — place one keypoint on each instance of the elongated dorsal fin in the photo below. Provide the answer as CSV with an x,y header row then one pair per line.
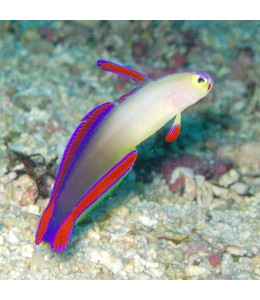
x,y
81,135
122,71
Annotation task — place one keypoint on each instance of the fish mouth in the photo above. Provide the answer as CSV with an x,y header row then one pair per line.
x,y
211,81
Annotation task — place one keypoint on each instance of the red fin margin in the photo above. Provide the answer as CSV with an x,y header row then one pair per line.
x,y
121,70
125,96
175,130
105,184
44,222
80,135
63,235
173,134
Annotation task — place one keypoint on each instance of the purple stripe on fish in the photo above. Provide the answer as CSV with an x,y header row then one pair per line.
x,y
80,137
125,96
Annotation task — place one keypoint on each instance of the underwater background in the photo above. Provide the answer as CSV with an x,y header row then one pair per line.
x,y
188,209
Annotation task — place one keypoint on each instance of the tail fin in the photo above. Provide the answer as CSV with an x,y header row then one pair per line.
x,y
63,235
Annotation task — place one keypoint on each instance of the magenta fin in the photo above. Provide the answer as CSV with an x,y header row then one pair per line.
x,y
80,136
121,70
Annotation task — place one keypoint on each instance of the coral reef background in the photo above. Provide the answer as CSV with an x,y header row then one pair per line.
x,y
188,210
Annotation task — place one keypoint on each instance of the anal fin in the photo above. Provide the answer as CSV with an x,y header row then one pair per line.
x,y
104,186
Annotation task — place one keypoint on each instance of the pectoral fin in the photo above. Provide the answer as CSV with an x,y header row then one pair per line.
x,y
104,186
175,130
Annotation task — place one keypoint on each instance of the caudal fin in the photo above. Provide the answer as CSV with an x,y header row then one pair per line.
x,y
63,235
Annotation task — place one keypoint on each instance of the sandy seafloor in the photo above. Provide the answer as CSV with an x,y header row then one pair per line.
x,y
188,210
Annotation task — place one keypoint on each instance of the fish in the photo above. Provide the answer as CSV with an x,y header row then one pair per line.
x,y
102,149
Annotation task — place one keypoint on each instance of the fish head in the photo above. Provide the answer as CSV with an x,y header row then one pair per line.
x,y
192,86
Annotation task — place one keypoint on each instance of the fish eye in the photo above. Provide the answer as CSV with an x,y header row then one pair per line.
x,y
200,80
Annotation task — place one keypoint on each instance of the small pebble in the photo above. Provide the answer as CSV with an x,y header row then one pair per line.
x,y
33,209
195,271
37,259
228,178
256,260
181,171
175,237
2,260
147,221
93,235
257,272
214,260
3,198
189,189
12,238
240,188
27,250
9,221
236,251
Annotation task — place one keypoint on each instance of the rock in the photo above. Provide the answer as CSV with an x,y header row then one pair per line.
x,y
182,178
240,188
220,192
2,260
93,235
128,239
195,271
214,260
181,171
37,259
245,235
23,189
189,189
117,266
140,264
152,253
27,250
204,192
228,178
103,257
3,199
257,272
10,221
175,237
147,221
256,260
34,209
12,238
245,156
237,251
